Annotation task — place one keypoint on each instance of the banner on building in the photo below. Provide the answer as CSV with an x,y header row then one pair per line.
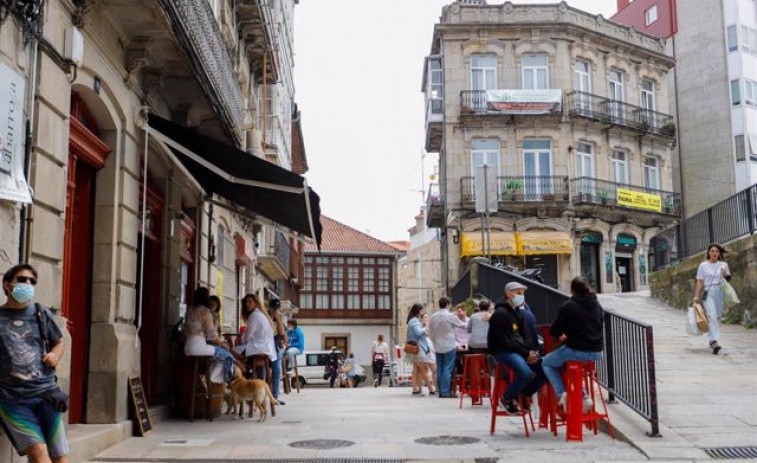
x,y
638,200
13,186
524,101
544,242
502,244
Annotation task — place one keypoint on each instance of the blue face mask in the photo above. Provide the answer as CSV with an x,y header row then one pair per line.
x,y
23,292
519,300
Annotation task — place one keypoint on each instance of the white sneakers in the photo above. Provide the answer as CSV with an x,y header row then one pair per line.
x,y
588,404
290,374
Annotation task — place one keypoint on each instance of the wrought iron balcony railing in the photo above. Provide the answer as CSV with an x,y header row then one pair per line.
x,y
587,190
473,102
521,189
617,112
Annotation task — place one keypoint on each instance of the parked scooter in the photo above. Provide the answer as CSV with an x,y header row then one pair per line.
x,y
530,273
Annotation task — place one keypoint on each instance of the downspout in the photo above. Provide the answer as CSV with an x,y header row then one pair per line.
x,y
27,211
265,85
144,231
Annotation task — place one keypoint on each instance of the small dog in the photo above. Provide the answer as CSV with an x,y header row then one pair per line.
x,y
254,391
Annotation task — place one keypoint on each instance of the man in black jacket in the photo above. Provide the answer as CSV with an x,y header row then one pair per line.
x,y
507,343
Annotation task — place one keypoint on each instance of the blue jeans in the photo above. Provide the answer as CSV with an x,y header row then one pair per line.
x,y
276,375
290,353
445,363
557,358
528,378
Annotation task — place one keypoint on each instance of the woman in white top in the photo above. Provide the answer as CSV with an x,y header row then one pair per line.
x,y
379,357
203,339
258,333
711,276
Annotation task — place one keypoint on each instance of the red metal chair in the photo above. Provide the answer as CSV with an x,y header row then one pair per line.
x,y
499,390
583,374
476,381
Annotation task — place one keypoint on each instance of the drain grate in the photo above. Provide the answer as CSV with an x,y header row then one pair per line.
x,y
447,440
321,444
731,453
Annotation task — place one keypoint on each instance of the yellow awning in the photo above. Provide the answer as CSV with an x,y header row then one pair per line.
x,y
502,244
544,242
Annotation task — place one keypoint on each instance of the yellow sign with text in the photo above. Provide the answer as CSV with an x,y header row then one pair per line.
x,y
534,242
502,244
638,200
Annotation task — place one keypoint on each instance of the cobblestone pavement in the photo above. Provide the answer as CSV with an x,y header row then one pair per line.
x,y
705,401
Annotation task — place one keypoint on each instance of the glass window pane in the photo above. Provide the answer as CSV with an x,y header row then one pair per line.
x,y
528,79
733,44
306,300
490,79
740,148
545,169
337,301
542,79
535,59
735,97
530,164
540,144
369,302
485,144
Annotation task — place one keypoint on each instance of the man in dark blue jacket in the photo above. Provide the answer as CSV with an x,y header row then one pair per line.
x,y
507,342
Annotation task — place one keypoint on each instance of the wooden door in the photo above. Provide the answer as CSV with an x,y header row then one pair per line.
x,y
340,342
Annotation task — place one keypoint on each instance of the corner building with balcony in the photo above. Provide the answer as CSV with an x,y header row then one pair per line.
x,y
569,111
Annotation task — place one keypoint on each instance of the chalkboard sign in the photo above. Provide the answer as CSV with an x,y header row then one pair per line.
x,y
141,412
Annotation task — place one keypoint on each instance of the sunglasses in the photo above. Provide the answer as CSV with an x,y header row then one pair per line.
x,y
31,280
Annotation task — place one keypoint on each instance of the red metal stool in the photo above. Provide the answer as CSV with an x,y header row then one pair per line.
x,y
476,379
499,390
583,374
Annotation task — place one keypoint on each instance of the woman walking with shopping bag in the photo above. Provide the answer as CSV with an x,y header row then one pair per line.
x,y
711,276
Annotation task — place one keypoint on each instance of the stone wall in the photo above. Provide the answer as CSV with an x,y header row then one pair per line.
x,y
675,284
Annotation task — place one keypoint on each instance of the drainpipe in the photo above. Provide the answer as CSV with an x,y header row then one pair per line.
x,y
27,211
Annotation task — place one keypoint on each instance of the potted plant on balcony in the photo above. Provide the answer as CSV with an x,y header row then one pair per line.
x,y
603,196
512,188
669,129
668,206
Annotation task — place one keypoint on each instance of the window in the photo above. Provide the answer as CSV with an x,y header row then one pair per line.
x,y
647,94
738,142
220,245
750,91
337,301
535,71
322,278
383,279
368,280
307,285
735,94
306,300
651,173
651,15
537,164
619,167
582,77
616,94
733,43
321,301
585,168
484,151
483,72
353,279
337,279
748,39
435,86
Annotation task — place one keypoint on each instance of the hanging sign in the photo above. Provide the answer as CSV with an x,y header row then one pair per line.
x,y
638,200
13,186
535,242
524,101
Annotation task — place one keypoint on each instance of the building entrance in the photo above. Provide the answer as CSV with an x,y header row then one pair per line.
x,y
625,273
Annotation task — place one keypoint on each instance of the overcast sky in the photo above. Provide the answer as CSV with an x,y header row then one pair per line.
x,y
358,70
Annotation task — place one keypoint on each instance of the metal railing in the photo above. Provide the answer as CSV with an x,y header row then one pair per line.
x,y
730,219
627,369
281,250
521,189
473,102
620,113
595,191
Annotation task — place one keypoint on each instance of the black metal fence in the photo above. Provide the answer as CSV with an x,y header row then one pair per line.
x,y
730,219
588,190
619,113
627,370
521,188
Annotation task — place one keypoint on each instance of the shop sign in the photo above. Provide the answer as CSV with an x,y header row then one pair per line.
x,y
625,243
502,244
638,200
524,101
544,242
13,186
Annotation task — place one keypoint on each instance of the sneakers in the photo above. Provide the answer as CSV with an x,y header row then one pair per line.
x,y
561,403
290,373
375,382
510,406
588,405
715,347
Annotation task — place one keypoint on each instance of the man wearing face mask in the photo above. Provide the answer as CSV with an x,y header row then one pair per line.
x,y
27,371
508,343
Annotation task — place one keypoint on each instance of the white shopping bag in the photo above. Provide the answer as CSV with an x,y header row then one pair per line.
x,y
691,322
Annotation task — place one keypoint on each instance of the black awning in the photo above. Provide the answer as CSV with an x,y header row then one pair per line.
x,y
253,183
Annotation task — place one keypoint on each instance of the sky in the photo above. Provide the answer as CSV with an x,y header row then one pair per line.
x,y
358,71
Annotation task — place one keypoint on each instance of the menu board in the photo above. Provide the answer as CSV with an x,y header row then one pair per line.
x,y
141,412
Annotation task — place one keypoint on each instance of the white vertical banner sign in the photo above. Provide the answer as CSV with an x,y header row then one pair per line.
x,y
485,184
13,186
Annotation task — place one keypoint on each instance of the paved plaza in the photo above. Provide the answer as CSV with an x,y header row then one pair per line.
x,y
705,401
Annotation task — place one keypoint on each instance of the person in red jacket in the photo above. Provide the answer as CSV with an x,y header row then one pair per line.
x,y
579,327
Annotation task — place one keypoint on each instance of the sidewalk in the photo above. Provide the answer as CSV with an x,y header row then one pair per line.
x,y
704,400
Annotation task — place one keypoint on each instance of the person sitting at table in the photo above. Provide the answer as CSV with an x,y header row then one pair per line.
x,y
257,338
478,327
507,343
202,339
579,327
296,344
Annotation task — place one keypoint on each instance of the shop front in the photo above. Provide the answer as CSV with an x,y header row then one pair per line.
x,y
625,247
591,259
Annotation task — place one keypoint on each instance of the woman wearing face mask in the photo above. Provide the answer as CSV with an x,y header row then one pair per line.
x,y
579,327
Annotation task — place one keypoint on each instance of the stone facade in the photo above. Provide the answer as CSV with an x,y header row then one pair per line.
x,y
564,38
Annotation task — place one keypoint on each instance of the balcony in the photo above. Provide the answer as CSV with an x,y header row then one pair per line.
x,y
598,196
618,113
435,213
521,193
274,261
434,119
510,102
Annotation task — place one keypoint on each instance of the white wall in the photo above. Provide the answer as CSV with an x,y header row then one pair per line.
x,y
359,337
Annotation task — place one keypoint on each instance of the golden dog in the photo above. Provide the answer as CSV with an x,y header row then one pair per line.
x,y
255,391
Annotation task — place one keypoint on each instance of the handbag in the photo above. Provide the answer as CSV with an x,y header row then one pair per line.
x,y
691,322
411,348
729,295
702,323
55,396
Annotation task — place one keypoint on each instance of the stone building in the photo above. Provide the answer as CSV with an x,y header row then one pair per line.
x,y
568,112
151,174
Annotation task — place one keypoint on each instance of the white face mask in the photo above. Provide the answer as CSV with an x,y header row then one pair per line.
x,y
519,300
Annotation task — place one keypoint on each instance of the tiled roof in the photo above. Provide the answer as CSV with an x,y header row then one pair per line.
x,y
338,237
401,245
